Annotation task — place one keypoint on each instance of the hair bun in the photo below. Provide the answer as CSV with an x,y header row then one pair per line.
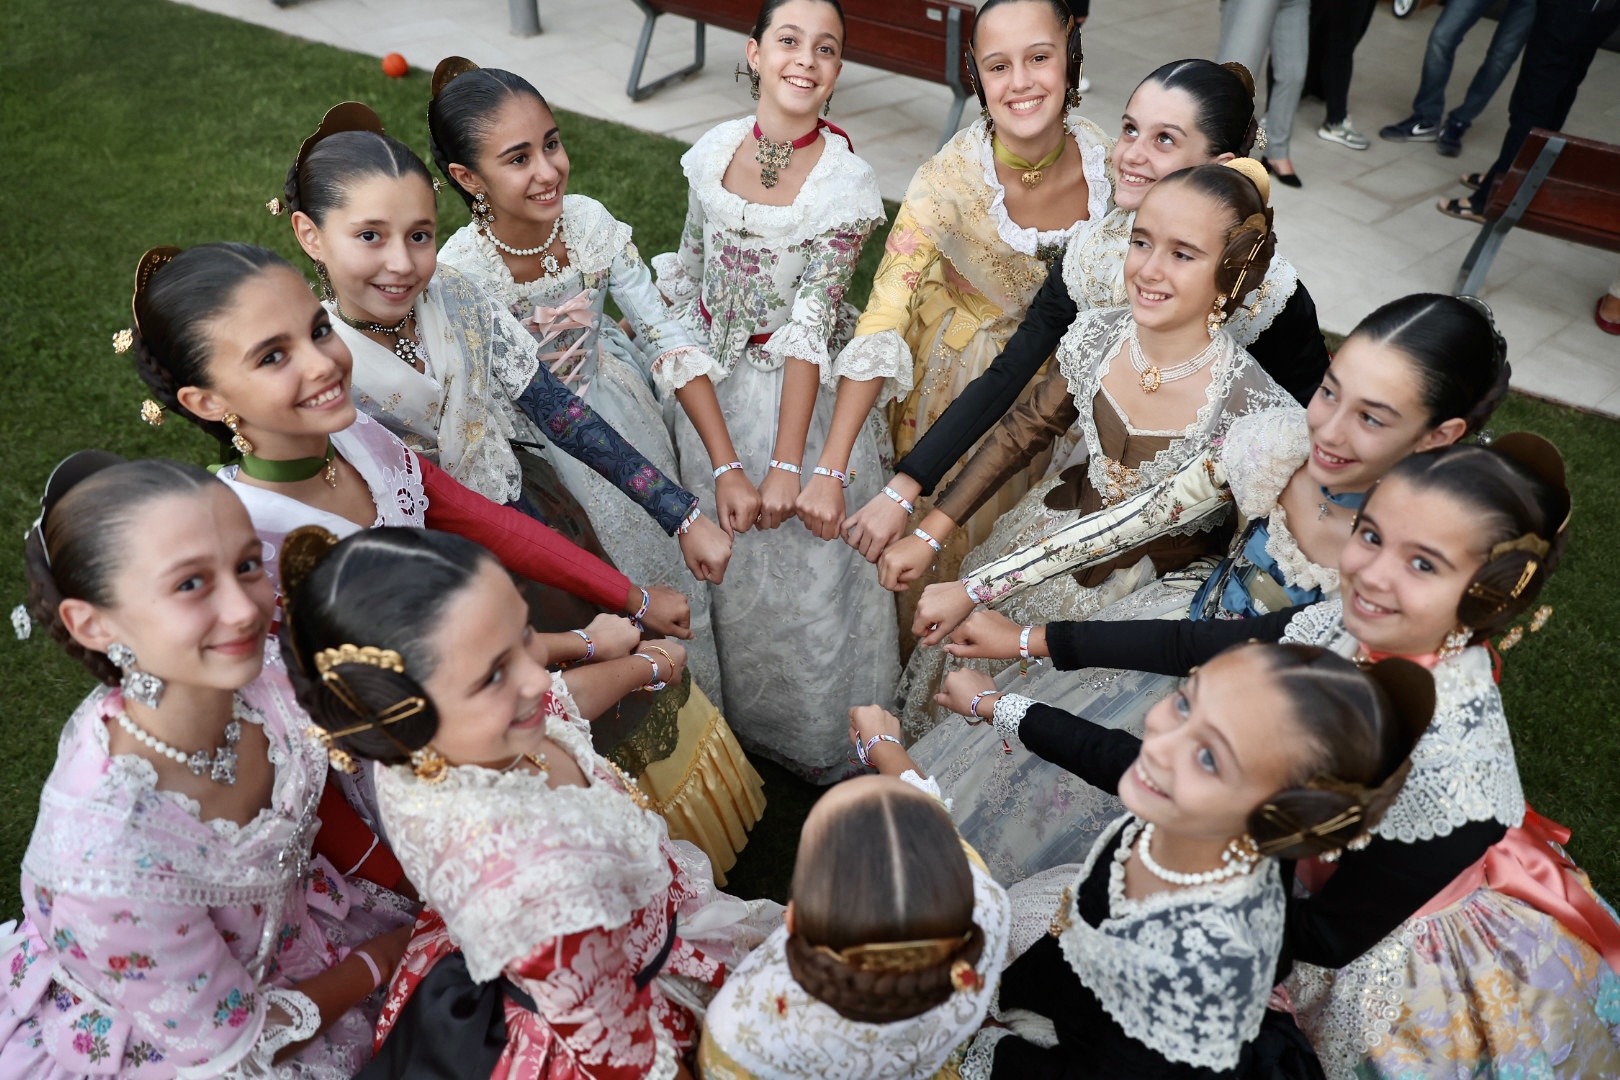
x,y
301,552
1541,459
446,72
1410,689
1244,76
1252,169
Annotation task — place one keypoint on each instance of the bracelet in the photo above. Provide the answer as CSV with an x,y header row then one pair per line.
x,y
864,752
1024,658
929,540
665,654
905,504
590,646
727,467
787,466
371,965
641,613
657,683
842,478
973,706
689,520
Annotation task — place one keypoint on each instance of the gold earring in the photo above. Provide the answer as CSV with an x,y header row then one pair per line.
x,y
1217,315
1456,642
753,83
826,106
238,440
429,765
325,281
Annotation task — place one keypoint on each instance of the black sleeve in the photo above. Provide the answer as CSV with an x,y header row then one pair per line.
x,y
1163,646
1291,349
1095,754
1375,890
984,400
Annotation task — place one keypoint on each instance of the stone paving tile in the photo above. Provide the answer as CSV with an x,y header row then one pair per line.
x,y
1362,231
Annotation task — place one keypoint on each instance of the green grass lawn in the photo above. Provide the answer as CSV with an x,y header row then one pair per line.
x,y
135,123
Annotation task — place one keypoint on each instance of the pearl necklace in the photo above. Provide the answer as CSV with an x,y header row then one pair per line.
x,y
1151,376
1236,859
219,764
548,261
405,348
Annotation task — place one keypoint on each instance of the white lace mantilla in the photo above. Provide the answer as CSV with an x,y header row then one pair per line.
x,y
1186,973
510,861
1463,768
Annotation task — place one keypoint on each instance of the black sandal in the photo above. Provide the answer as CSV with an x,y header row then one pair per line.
x,y
1459,208
1472,180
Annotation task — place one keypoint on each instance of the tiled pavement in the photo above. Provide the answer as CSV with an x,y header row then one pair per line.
x,y
1362,231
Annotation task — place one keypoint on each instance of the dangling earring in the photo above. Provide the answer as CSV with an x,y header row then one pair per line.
x,y
989,121
1217,315
826,106
482,212
238,440
141,686
325,281
1456,642
1071,100
429,765
753,83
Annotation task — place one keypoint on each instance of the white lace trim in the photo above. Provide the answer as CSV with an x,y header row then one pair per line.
x,y
1009,712
1188,972
674,282
1261,453
1263,304
1463,768
794,339
1297,568
883,355
303,1021
676,368
980,1059
1094,147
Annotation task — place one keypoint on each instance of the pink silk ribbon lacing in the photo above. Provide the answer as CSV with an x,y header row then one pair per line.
x,y
568,364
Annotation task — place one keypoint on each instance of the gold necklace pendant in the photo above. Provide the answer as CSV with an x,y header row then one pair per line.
x,y
1151,379
330,475
1033,177
773,157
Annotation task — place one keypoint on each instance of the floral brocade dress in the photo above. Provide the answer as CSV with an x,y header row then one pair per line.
x,y
601,938
804,629
956,276
159,945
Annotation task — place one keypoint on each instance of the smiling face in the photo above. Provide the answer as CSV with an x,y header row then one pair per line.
x,y
276,362
1019,50
522,168
798,57
1215,750
1405,567
490,685
1367,415
1176,244
191,597
378,246
1158,135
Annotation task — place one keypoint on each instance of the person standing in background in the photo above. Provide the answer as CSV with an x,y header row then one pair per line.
x,y
1248,27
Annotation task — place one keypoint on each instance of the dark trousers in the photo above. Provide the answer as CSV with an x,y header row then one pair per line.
x,y
1337,27
1565,37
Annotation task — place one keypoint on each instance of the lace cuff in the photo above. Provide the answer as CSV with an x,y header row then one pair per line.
x,y
673,281
677,367
663,1066
303,1021
798,340
882,355
980,1060
927,785
1009,712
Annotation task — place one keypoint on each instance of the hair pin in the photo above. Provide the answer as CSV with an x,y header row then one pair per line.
x,y
123,341
152,412
275,207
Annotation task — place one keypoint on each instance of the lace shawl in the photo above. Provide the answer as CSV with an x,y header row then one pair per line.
x,y
758,269
460,413
1094,271
1260,455
1463,768
1237,386
388,467
1186,973
510,862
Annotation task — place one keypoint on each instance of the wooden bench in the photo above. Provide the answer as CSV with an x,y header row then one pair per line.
x,y
1559,185
926,39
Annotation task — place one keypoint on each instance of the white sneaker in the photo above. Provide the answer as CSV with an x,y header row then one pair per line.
x,y
1343,134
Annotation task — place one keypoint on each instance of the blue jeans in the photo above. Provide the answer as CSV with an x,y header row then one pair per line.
x,y
1456,19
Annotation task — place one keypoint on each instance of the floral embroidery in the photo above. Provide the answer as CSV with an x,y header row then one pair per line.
x,y
234,1009
781,1005
43,899
90,1035
21,961
141,1053
64,941
132,966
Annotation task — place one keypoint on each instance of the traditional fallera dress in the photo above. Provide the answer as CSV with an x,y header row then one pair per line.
x,y
764,1026
1100,459
1463,941
956,277
409,490
160,945
1025,814
804,629
597,937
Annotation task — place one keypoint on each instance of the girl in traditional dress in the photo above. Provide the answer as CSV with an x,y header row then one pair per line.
x,y
1157,956
176,923
1462,940
1408,378
1190,112
890,953
595,938
1140,391
778,210
980,225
